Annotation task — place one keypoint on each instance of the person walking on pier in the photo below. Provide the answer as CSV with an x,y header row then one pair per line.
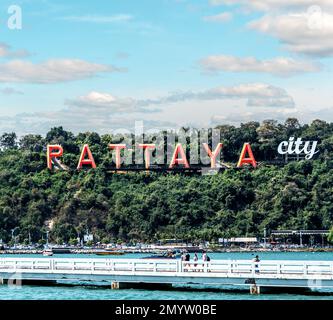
x,y
204,260
195,259
187,260
256,261
183,257
208,259
183,260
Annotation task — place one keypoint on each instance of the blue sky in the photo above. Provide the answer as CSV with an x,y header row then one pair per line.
x,y
99,65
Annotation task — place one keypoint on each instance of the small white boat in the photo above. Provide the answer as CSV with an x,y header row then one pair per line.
x,y
48,253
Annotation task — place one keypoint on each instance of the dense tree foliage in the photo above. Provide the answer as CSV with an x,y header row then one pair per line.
x,y
148,206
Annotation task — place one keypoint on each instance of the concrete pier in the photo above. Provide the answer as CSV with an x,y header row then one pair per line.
x,y
163,273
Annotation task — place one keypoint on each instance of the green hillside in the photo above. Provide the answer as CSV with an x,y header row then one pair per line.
x,y
148,206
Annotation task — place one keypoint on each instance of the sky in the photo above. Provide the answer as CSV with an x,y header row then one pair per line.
x,y
108,65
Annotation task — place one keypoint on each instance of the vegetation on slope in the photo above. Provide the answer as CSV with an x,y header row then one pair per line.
x,y
148,206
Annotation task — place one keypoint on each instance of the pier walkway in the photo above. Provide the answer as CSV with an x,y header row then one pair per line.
x,y
269,273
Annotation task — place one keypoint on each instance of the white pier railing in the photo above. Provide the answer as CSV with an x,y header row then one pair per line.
x,y
269,273
276,267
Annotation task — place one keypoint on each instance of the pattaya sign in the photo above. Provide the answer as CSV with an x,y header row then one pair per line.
x,y
178,157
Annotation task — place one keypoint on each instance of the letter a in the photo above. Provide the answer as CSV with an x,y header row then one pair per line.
x,y
243,160
182,160
53,151
90,161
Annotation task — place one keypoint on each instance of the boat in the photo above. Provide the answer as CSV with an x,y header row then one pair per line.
x,y
61,250
109,253
47,253
176,254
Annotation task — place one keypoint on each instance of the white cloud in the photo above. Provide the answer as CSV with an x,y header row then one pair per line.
x,y
305,116
51,71
280,66
268,5
104,101
7,52
98,98
257,95
121,22
302,26
235,118
99,19
103,112
99,121
306,33
220,18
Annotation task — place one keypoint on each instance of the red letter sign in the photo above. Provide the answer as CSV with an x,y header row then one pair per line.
x,y
90,161
182,160
243,160
213,155
146,148
53,151
118,148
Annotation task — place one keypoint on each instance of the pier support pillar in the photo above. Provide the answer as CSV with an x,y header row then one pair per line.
x,y
254,289
114,285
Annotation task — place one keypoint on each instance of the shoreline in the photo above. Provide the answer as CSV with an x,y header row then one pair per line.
x,y
95,251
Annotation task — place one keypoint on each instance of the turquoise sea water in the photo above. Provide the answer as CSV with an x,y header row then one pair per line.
x,y
93,292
